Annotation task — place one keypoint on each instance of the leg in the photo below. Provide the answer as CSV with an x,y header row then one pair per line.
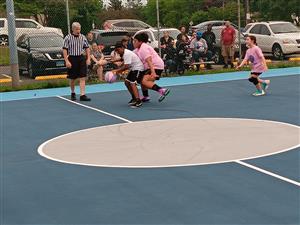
x,y
135,91
72,85
100,73
149,84
82,86
129,88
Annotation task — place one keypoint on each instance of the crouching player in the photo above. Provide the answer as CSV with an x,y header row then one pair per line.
x,y
136,71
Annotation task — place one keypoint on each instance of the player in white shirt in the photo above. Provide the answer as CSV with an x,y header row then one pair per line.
x,y
136,71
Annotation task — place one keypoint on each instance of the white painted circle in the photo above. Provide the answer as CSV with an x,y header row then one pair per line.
x,y
172,143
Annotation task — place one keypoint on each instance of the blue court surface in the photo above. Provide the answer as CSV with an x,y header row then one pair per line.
x,y
260,190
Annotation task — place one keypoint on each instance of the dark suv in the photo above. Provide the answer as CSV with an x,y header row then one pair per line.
x,y
108,39
41,54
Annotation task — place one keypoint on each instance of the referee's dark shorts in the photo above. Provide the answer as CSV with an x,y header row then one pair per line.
x,y
79,67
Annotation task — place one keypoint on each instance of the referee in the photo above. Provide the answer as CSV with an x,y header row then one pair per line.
x,y
75,44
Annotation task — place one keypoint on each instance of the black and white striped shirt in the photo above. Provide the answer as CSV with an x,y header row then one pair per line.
x,y
75,45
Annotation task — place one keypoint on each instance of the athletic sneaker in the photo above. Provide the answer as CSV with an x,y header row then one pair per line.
x,y
73,96
131,102
137,104
265,86
259,93
84,98
146,99
164,93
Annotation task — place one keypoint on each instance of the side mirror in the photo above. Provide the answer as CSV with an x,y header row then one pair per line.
x,y
149,41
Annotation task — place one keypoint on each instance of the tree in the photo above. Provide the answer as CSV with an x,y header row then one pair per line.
x,y
115,5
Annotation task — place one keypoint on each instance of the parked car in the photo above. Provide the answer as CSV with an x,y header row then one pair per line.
x,y
217,27
108,38
153,33
130,25
41,54
24,26
277,37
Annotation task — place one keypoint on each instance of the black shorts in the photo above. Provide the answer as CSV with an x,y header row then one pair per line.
x,y
135,76
158,73
79,67
256,74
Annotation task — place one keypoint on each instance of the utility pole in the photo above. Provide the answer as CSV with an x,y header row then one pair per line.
x,y
13,53
247,11
239,24
68,16
158,26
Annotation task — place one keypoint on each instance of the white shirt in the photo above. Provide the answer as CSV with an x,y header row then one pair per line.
x,y
131,59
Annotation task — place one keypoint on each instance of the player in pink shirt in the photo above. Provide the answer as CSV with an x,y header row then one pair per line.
x,y
255,56
153,66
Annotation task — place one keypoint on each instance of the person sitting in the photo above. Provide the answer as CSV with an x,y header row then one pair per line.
x,y
90,38
200,50
166,41
98,61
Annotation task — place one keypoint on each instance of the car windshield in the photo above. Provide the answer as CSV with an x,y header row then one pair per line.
x,y
46,42
280,28
173,33
110,38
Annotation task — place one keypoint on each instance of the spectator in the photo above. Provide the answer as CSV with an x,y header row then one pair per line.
x,y
90,38
182,32
166,41
210,38
98,61
200,49
227,41
182,51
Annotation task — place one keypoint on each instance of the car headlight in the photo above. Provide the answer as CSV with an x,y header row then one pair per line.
x,y
287,41
38,55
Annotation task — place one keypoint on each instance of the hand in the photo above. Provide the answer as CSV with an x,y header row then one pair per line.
x,y
68,64
153,76
238,68
88,62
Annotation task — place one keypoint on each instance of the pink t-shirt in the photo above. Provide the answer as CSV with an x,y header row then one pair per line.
x,y
144,52
255,56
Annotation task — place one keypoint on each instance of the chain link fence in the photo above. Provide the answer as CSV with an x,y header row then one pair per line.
x,y
41,26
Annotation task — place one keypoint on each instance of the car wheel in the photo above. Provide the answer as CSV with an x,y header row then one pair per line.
x,y
31,71
3,40
277,52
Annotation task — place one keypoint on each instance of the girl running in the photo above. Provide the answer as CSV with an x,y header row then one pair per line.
x,y
258,66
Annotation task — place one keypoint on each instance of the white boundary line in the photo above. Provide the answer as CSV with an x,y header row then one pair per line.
x,y
268,173
239,161
95,109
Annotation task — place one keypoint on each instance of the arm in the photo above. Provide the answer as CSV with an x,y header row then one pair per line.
x,y
242,64
121,69
151,66
88,56
65,54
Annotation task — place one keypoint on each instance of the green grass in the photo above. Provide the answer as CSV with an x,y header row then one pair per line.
x,y
64,83
4,56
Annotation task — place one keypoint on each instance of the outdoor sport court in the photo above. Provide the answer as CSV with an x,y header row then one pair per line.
x,y
211,153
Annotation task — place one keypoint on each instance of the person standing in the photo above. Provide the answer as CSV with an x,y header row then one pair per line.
x,y
75,45
210,38
228,36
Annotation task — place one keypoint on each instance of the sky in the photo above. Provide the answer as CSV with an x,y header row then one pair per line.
x,y
106,2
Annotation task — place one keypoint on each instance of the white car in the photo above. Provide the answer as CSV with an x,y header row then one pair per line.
x,y
278,37
24,26
152,33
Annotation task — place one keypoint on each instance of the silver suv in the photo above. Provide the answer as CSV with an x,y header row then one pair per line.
x,y
24,26
277,37
130,25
